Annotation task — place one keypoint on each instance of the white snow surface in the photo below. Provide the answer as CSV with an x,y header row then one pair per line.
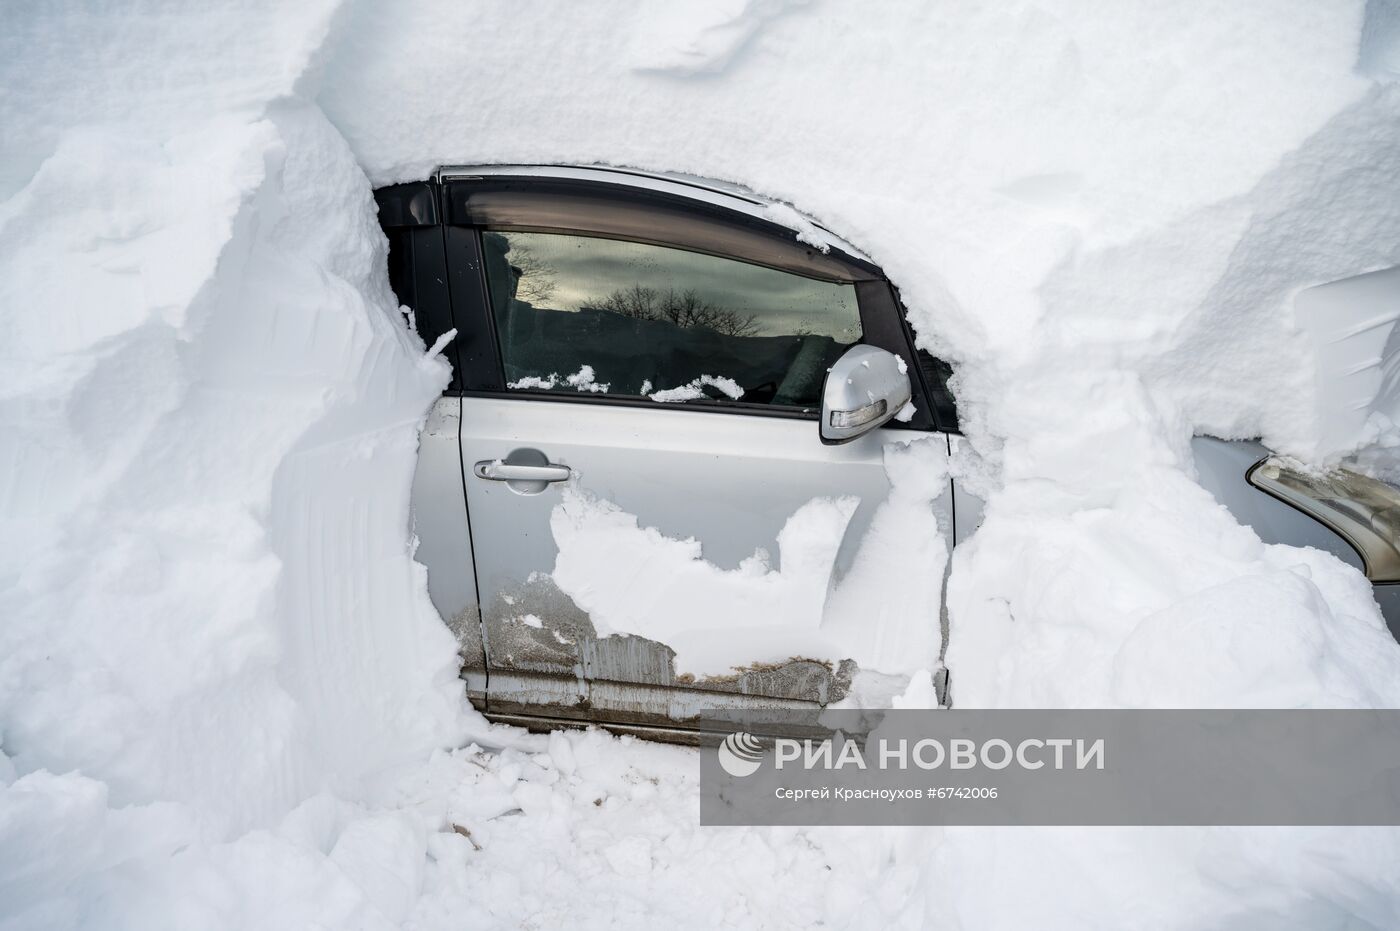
x,y
220,675
210,406
634,580
882,613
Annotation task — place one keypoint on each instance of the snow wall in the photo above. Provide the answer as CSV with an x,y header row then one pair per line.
x,y
210,404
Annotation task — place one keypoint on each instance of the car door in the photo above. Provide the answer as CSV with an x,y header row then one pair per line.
x,y
655,521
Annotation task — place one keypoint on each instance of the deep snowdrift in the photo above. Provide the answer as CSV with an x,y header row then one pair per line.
x,y
210,409
1100,213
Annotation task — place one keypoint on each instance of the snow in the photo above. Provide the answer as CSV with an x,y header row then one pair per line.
x,y
635,580
220,675
885,610
440,344
585,379
807,231
591,831
919,694
686,392
1352,327
210,410
694,390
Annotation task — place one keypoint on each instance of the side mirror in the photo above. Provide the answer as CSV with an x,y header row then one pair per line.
x,y
864,389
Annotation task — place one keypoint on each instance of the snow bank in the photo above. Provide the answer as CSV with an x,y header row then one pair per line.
x,y
1168,198
1102,215
210,409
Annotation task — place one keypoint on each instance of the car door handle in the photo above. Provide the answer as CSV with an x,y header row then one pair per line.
x,y
494,470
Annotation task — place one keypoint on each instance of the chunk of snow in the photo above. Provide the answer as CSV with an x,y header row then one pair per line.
x,y
689,392
582,380
635,580
807,231
440,344
535,381
919,694
585,380
884,614
694,390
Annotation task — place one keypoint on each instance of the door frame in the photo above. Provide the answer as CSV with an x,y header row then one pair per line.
x,y
437,269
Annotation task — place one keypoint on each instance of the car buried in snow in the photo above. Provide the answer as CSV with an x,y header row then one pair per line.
x,y
708,362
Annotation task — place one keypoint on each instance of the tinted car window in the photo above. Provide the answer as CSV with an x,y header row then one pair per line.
x,y
586,314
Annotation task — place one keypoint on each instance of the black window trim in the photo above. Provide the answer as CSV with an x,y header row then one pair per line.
x,y
708,406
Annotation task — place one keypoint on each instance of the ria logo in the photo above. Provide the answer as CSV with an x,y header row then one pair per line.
x,y
740,754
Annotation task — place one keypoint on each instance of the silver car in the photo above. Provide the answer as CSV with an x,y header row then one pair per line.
x,y
705,367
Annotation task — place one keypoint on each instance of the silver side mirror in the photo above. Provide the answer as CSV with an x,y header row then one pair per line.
x,y
864,389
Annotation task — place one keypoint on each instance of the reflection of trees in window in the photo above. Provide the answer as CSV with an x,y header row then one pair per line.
x,y
683,308
535,278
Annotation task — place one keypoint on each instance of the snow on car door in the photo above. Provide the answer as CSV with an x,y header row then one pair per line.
x,y
655,522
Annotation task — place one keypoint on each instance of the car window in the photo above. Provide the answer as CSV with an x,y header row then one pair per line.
x,y
582,314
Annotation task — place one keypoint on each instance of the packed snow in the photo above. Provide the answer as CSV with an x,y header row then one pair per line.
x,y
216,643
635,580
225,699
